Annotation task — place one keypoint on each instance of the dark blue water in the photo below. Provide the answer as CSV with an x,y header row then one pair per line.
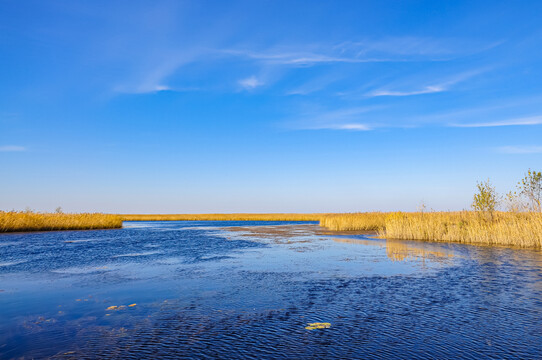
x,y
248,290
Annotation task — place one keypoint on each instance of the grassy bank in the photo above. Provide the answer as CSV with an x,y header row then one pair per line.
x,y
504,228
221,217
30,221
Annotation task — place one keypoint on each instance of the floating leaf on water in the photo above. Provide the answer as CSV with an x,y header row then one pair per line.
x,y
114,307
313,326
132,305
77,299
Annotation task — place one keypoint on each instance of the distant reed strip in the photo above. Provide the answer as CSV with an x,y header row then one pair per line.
x,y
221,217
523,229
31,221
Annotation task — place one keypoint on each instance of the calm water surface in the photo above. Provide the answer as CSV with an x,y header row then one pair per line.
x,y
248,290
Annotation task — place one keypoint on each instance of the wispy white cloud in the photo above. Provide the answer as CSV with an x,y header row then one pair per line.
x,y
425,90
390,49
250,83
343,119
499,108
522,149
159,70
330,126
353,126
534,120
442,86
141,89
156,70
285,57
12,148
413,46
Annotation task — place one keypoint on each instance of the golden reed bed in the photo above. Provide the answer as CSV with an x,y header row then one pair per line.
x,y
30,221
523,229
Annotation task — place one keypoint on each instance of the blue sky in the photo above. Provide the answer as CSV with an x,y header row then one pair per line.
x,y
266,106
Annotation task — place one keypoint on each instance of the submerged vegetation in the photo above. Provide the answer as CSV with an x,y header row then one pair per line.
x,y
314,326
11,221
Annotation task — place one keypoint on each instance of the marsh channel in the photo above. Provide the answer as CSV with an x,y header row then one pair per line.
x,y
249,290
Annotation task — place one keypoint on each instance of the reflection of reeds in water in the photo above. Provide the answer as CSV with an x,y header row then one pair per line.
x,y
31,221
398,250
505,228
358,241
222,217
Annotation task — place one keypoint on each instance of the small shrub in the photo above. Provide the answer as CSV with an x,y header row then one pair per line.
x,y
486,199
531,187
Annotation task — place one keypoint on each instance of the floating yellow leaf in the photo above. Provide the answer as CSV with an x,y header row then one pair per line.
x,y
132,305
313,326
114,307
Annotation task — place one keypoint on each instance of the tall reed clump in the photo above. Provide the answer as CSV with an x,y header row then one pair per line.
x,y
11,221
369,221
222,217
522,229
504,228
520,226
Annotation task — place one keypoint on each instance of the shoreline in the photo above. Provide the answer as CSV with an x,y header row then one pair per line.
x,y
511,229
